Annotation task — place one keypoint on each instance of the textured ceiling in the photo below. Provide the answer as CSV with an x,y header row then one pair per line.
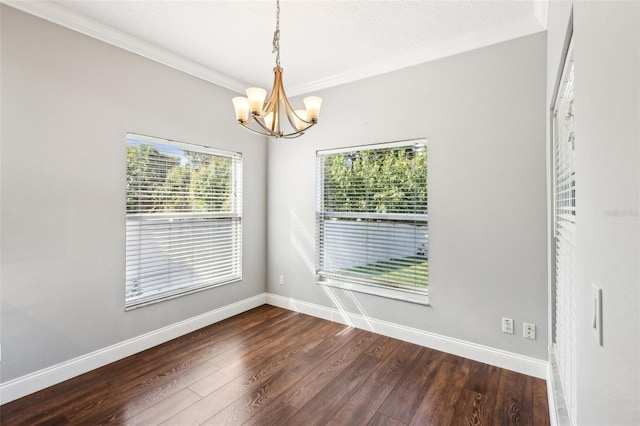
x,y
323,43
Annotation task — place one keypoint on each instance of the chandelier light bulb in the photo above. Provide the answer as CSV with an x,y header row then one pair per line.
x,y
268,121
241,105
256,97
312,104
300,119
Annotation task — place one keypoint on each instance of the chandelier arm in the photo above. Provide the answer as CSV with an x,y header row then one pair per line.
x,y
256,132
288,109
275,101
277,133
296,134
271,103
268,133
292,135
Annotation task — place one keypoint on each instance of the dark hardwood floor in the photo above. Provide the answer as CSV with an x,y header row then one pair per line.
x,y
270,366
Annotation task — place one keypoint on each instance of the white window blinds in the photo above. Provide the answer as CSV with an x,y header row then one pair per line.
x,y
371,219
184,219
565,235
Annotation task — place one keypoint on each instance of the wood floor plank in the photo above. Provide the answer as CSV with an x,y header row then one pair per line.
x,y
319,372
393,367
442,395
65,404
362,405
215,339
384,347
473,409
221,341
270,366
54,397
483,378
540,401
317,333
332,366
410,389
315,356
251,403
249,379
165,409
151,389
514,403
214,333
297,325
324,404
127,402
380,419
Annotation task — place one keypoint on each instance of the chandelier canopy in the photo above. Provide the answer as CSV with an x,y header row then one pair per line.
x,y
268,116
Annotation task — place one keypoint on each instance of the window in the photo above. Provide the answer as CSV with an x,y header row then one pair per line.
x,y
184,219
371,219
564,178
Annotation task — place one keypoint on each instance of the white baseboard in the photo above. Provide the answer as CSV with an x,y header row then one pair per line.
x,y
551,400
558,413
30,383
499,358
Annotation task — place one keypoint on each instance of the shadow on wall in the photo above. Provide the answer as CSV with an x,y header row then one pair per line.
x,y
303,243
30,355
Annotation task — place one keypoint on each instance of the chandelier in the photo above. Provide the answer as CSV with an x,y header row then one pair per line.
x,y
268,117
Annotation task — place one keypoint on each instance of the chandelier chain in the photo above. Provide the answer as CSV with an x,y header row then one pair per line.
x,y
276,35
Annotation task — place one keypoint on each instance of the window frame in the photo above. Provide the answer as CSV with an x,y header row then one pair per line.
x,y
565,213
350,282
193,223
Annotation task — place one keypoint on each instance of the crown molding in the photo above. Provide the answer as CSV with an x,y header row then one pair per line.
x,y
68,19
540,11
442,50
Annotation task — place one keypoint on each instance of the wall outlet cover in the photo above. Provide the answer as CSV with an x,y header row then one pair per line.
x,y
529,331
507,325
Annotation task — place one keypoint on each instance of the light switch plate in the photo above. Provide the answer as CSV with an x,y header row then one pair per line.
x,y
596,318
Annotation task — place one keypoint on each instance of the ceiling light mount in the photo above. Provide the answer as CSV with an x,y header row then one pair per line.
x,y
267,117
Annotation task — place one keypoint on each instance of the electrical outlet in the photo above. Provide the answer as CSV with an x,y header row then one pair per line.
x,y
281,279
507,325
529,331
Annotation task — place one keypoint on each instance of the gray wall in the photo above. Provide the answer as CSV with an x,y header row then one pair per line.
x,y
67,103
68,100
607,97
483,113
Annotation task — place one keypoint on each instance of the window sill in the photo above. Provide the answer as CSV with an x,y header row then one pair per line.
x,y
162,297
419,299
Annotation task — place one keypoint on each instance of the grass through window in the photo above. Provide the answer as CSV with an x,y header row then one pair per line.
x,y
412,271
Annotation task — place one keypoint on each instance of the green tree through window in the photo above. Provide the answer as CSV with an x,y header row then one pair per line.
x,y
371,219
376,181
184,219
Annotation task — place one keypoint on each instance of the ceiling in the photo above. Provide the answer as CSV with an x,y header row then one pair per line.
x,y
323,43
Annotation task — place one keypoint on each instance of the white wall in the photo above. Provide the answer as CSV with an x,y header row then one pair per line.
x,y
483,113
607,99
67,103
